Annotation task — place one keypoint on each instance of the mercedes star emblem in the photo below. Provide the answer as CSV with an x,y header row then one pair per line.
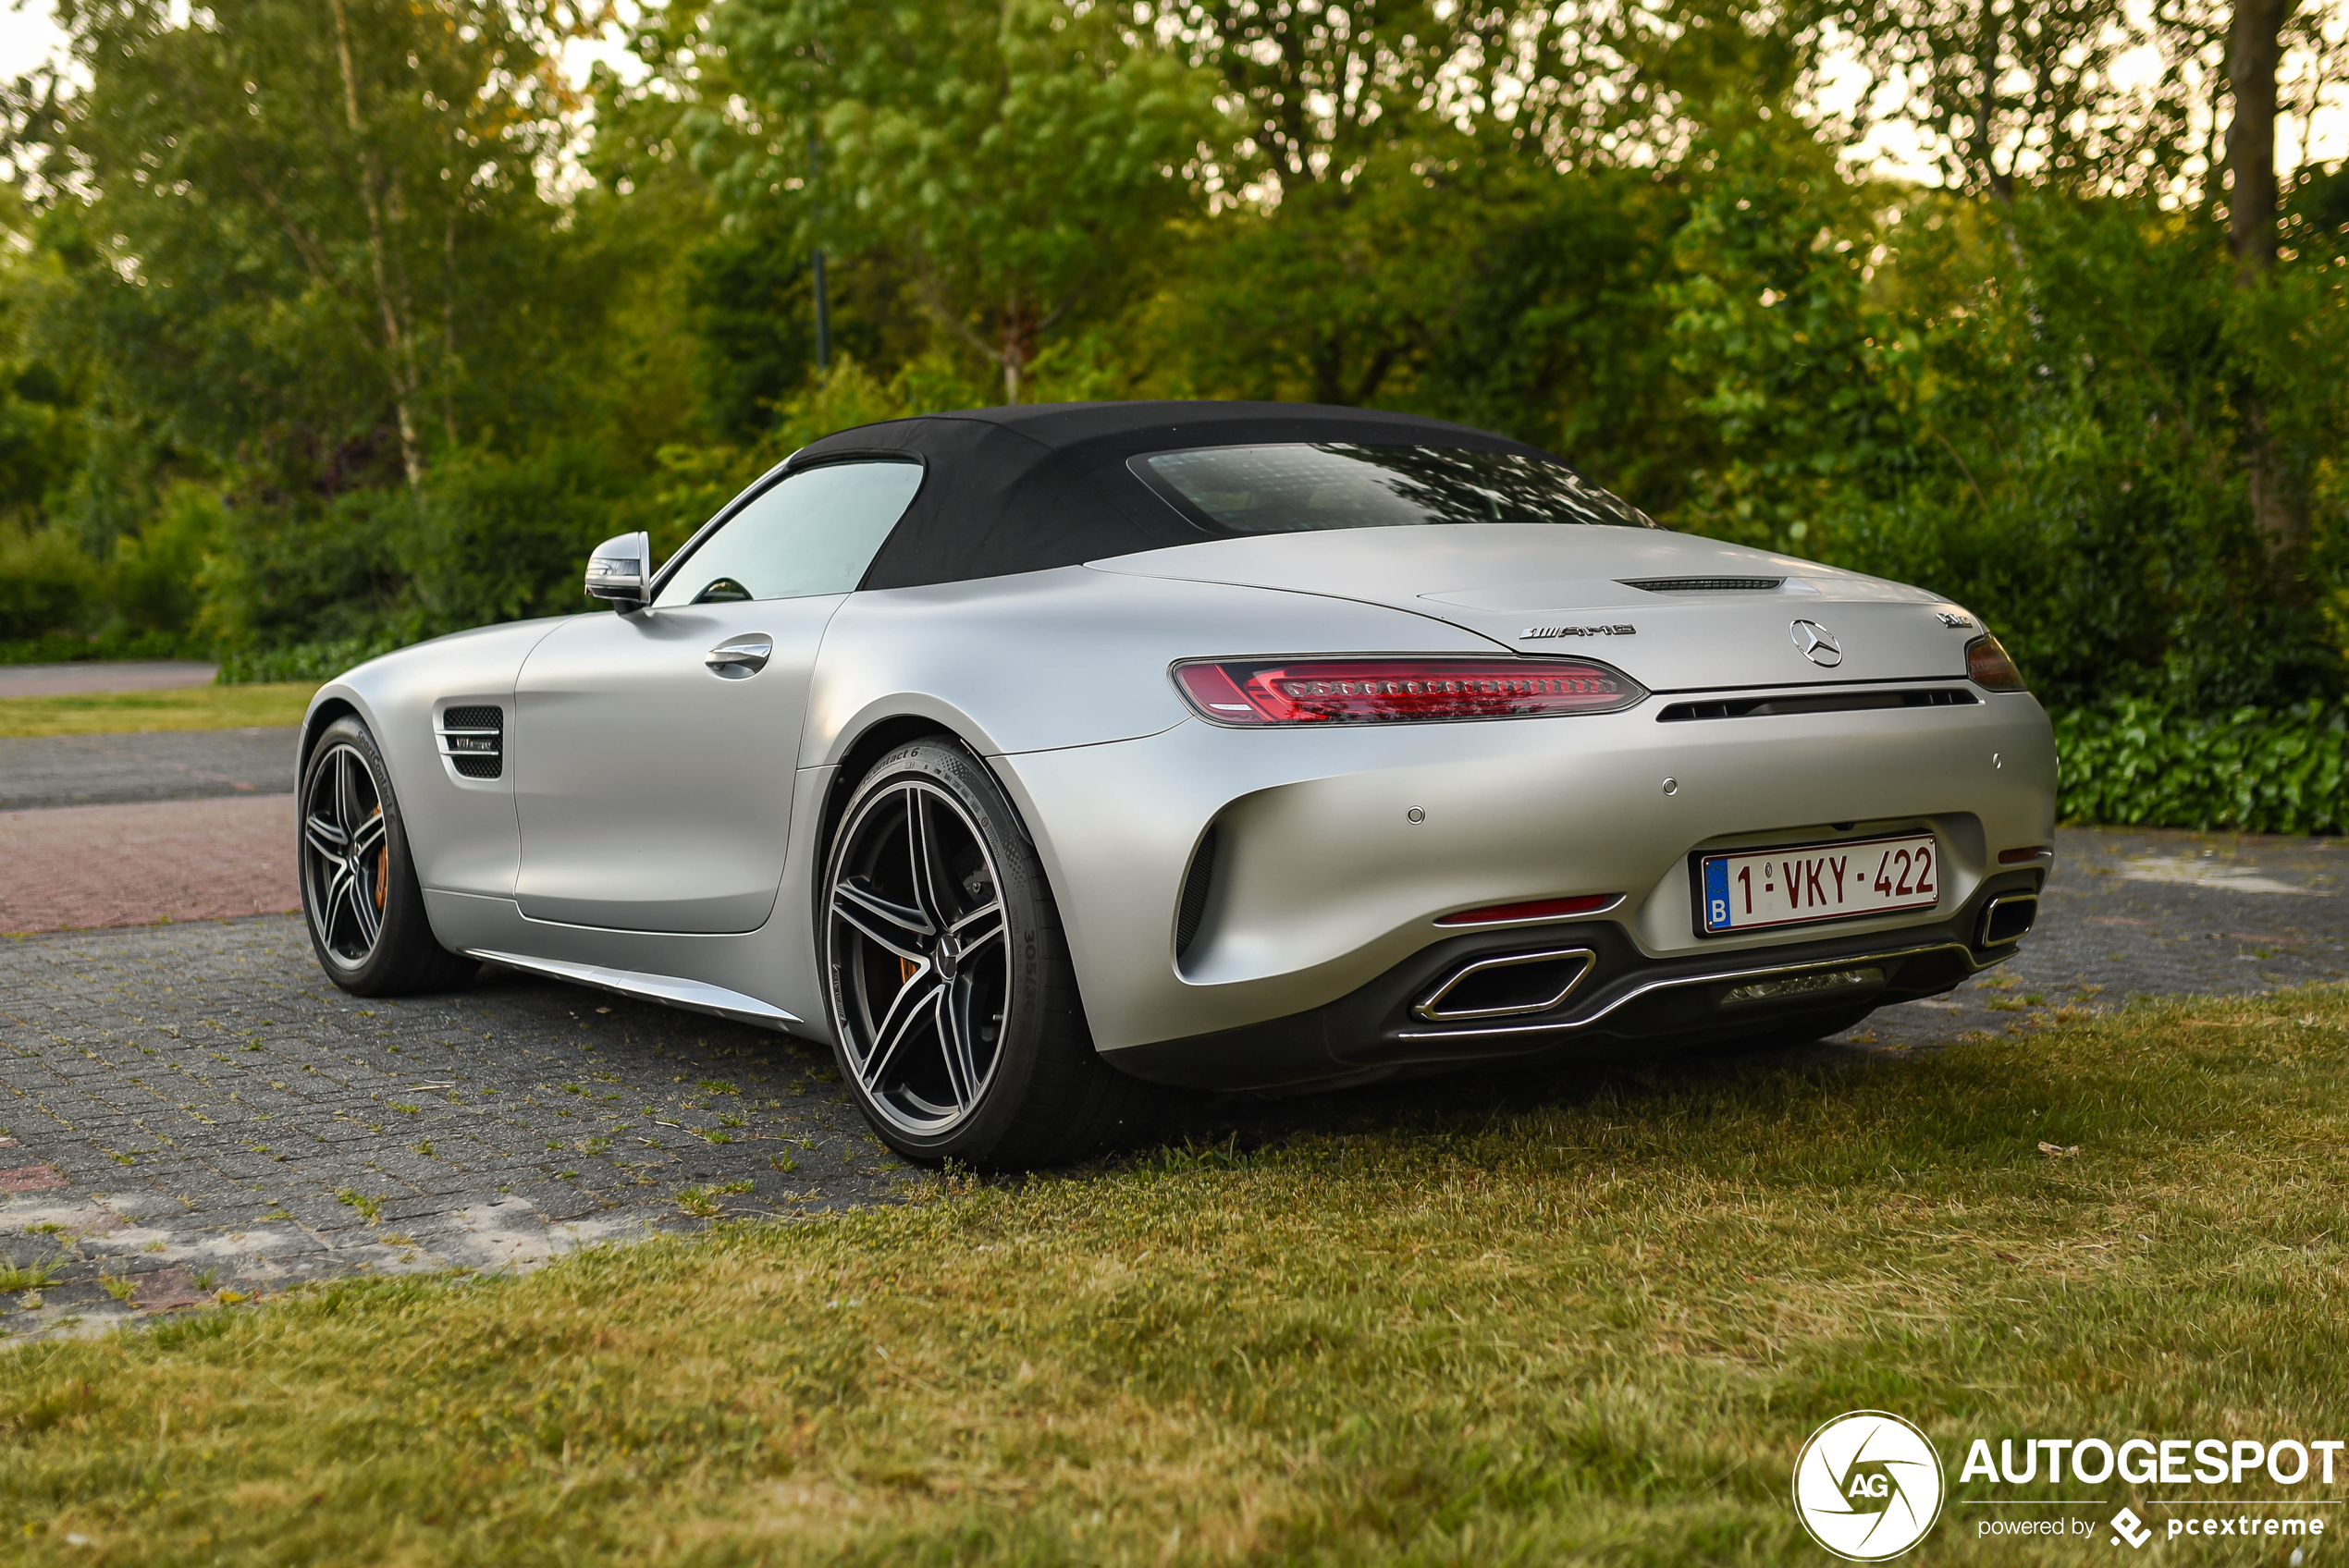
x,y
1818,645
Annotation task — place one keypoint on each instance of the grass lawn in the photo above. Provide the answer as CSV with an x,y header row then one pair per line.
x,y
1576,1317
185,708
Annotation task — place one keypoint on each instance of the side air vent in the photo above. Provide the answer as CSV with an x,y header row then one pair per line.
x,y
1197,882
1703,584
474,740
1833,702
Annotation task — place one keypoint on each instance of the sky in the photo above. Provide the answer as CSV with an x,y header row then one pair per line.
x,y
28,38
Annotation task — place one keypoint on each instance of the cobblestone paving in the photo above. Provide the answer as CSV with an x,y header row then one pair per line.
x,y
193,1108
73,770
2150,913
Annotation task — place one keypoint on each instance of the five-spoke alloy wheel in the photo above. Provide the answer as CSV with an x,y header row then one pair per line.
x,y
359,891
948,976
346,854
918,937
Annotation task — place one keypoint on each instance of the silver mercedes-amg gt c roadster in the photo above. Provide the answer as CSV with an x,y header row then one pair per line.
x,y
1032,756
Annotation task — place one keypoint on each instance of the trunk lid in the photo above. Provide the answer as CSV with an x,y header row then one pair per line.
x,y
1536,588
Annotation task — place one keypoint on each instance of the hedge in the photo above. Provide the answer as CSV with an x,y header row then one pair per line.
x,y
2257,770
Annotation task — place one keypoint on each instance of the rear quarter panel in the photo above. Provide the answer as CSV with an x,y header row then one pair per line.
x,y
1073,657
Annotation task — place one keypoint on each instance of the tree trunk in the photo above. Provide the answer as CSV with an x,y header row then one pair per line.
x,y
399,353
1987,40
2253,49
1020,331
448,325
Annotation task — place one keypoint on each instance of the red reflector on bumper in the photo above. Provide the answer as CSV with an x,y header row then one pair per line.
x,y
1540,909
2016,857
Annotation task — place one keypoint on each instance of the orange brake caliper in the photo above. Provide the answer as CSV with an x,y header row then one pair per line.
x,y
383,866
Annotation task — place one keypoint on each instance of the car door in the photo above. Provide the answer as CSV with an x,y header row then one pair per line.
x,y
655,749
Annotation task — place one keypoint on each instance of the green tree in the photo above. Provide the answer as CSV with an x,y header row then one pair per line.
x,y
313,227
1021,161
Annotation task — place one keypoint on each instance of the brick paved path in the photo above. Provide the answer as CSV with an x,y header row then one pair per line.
x,y
74,867
194,1107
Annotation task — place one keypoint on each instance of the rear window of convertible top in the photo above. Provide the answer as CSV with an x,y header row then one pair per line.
x,y
1297,487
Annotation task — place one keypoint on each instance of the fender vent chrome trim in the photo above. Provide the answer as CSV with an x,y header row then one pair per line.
x,y
474,740
1507,986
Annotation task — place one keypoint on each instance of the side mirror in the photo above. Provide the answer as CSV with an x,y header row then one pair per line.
x,y
622,570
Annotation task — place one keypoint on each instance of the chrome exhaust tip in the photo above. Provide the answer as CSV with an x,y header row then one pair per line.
x,y
1507,986
2007,917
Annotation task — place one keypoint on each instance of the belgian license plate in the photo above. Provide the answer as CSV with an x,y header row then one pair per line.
x,y
1814,882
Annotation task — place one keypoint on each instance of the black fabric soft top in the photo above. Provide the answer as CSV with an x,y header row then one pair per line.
x,y
1046,484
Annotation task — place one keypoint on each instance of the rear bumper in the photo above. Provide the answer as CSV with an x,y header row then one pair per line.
x,y
1624,997
1336,853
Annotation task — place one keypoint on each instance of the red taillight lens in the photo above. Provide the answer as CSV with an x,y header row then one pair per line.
x,y
1404,691
1986,665
1541,909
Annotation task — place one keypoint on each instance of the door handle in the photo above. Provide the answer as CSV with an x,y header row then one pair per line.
x,y
739,659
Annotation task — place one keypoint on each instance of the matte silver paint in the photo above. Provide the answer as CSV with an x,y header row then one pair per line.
x,y
647,784
660,820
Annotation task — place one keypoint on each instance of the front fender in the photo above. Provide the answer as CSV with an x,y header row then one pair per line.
x,y
461,831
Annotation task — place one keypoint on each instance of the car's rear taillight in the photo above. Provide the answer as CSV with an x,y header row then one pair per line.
x,y
1399,690
1986,665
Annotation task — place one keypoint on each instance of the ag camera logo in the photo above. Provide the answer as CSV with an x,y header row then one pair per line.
x,y
1867,1486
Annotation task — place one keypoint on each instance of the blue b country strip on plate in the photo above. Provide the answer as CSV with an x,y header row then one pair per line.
x,y
1803,884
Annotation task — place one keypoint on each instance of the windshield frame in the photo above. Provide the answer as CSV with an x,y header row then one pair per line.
x,y
758,487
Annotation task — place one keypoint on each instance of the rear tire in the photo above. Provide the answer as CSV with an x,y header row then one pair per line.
x,y
948,978
360,896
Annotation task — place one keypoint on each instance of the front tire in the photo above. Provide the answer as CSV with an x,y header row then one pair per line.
x,y
948,978
360,896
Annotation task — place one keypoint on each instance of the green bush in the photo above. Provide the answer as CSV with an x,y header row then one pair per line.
x,y
2257,770
302,661
48,582
155,578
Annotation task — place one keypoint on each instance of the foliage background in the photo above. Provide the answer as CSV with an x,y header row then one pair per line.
x,y
329,324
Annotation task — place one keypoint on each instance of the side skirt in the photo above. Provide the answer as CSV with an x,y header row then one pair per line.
x,y
692,995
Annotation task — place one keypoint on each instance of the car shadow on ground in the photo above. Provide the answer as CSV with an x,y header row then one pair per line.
x,y
1617,1074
